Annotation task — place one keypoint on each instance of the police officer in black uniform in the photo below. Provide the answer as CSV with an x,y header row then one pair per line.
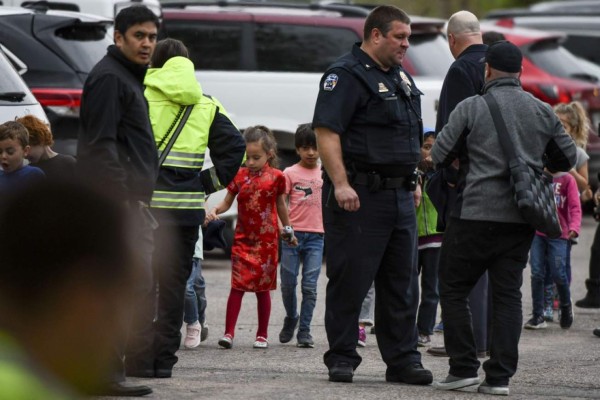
x,y
368,126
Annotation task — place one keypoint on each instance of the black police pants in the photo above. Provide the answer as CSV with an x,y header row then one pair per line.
x,y
376,243
175,247
470,248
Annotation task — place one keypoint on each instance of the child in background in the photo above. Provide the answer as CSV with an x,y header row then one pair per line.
x,y
14,148
261,198
303,184
41,155
575,121
194,311
365,318
553,253
430,242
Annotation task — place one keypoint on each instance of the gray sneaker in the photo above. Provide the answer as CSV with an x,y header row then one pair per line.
x,y
289,326
305,339
486,388
454,382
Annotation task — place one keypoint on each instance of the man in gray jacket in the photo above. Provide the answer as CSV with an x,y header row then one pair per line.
x,y
486,231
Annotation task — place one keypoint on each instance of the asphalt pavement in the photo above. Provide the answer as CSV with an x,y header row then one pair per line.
x,y
553,363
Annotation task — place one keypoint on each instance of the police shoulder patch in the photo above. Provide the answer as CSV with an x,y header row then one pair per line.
x,y
330,82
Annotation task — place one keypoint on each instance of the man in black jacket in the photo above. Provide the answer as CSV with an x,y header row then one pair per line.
x,y
117,152
465,78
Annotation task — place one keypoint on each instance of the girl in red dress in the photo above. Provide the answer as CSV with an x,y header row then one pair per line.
x,y
260,189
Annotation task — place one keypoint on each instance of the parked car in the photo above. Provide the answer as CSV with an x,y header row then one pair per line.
x,y
16,100
579,20
105,8
54,52
263,61
554,75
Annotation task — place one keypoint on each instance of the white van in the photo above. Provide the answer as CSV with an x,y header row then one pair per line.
x,y
105,8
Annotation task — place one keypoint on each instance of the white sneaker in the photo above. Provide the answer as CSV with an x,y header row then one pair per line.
x,y
261,343
192,335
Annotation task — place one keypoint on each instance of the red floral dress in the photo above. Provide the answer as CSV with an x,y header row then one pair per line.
x,y
254,251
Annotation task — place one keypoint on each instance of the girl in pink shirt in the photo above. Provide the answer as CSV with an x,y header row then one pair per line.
x,y
552,254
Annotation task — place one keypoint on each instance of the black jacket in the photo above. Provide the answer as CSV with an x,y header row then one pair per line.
x,y
116,147
465,78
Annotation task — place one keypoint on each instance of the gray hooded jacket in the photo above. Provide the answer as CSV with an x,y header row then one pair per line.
x,y
485,191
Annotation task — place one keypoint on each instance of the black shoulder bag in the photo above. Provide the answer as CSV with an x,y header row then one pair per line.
x,y
532,187
186,114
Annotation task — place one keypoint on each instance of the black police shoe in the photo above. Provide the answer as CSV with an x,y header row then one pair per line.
x,y
122,389
413,374
341,372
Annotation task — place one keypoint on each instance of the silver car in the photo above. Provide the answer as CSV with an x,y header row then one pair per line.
x,y
16,99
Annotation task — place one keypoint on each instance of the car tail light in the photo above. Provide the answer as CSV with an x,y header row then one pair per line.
x,y
506,22
65,102
551,94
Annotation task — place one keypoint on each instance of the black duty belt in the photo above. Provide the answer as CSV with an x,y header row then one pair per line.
x,y
376,182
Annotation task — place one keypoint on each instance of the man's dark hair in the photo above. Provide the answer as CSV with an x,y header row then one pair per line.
x,y
382,17
166,49
305,136
134,15
57,232
492,37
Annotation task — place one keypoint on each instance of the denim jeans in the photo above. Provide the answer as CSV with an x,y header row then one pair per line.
x,y
310,252
550,253
195,295
428,268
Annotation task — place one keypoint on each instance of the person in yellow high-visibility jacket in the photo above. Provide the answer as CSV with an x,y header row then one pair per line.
x,y
178,200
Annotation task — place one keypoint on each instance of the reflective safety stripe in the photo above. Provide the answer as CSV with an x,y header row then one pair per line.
x,y
177,200
215,179
184,159
182,154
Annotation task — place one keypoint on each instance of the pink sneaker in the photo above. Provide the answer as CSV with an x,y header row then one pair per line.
x,y
362,336
192,335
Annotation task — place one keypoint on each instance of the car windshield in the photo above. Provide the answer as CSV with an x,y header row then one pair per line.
x,y
429,55
12,88
83,44
558,61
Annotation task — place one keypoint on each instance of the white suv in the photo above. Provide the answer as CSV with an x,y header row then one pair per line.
x,y
264,62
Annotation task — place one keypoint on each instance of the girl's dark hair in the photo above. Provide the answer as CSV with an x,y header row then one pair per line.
x,y
305,136
133,15
166,49
265,137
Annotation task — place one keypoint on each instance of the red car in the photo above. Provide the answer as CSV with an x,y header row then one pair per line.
x,y
554,75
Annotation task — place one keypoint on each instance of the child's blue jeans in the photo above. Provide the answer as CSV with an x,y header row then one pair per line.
x,y
195,295
310,252
552,253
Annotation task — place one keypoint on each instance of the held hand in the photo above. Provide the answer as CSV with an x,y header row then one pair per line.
x,y
211,216
586,195
347,198
287,235
572,234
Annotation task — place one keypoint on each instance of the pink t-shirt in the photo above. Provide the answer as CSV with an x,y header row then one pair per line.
x,y
568,204
303,186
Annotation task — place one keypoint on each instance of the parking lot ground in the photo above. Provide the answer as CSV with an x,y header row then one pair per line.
x,y
553,363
